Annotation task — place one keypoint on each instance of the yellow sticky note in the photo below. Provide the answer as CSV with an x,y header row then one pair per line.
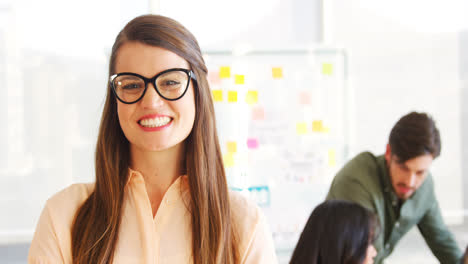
x,y
228,159
238,79
231,146
317,125
217,95
251,97
301,128
224,72
232,96
327,68
325,129
277,72
331,158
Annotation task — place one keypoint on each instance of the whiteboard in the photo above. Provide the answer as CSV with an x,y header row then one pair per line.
x,y
282,147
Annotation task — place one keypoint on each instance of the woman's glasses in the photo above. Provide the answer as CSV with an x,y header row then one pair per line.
x,y
170,84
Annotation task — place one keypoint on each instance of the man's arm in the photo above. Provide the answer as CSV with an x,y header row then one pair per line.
x,y
439,239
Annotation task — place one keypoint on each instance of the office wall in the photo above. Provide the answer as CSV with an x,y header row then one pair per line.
x,y
53,70
397,67
245,24
463,44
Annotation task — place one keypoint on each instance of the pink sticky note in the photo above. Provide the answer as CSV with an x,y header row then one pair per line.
x,y
258,113
213,77
304,98
252,143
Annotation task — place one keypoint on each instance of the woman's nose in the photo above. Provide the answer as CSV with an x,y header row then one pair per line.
x,y
151,99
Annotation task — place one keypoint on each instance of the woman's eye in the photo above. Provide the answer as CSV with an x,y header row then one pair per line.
x,y
131,86
171,82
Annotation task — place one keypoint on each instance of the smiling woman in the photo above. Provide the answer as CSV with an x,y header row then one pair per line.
x,y
166,100
160,192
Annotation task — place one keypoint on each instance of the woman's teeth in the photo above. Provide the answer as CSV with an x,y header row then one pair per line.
x,y
155,122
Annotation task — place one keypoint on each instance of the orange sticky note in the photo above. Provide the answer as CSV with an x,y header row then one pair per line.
x,y
331,158
258,113
231,146
228,159
251,97
217,95
317,125
327,69
224,72
301,128
238,79
277,72
232,96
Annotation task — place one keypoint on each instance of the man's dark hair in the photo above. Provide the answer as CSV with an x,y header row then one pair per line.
x,y
415,134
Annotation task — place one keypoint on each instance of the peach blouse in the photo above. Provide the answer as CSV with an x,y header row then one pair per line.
x,y
166,238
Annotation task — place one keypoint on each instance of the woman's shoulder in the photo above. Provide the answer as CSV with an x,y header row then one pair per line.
x,y
52,239
65,203
245,212
74,194
246,215
254,235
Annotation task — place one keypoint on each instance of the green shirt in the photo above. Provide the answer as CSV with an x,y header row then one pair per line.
x,y
365,180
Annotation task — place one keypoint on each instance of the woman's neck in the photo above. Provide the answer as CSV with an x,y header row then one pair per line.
x,y
160,169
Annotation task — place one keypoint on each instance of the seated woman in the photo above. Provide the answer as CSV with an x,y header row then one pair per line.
x,y
337,232
160,194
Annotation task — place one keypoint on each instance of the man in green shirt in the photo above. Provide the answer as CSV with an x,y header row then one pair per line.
x,y
399,188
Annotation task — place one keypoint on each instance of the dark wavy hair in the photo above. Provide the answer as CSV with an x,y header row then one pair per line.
x,y
415,134
337,232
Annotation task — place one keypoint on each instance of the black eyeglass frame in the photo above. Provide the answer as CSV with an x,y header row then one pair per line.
x,y
191,76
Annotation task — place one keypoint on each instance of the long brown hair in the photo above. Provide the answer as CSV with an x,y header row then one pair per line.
x,y
96,225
